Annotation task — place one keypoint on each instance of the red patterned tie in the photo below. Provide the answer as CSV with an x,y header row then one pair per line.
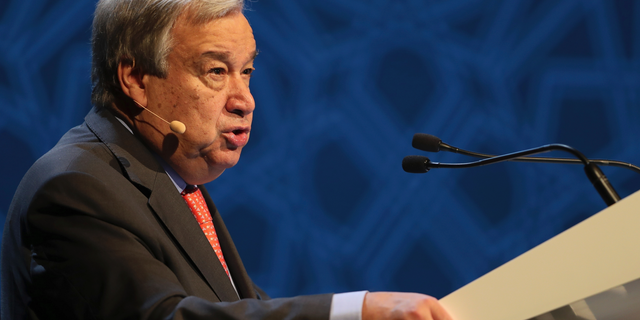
x,y
198,206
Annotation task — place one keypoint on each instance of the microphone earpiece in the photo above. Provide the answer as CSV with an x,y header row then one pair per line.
x,y
175,125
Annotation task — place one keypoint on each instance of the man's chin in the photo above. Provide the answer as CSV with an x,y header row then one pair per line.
x,y
204,177
226,161
215,165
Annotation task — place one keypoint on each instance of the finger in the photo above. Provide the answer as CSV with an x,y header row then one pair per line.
x,y
439,313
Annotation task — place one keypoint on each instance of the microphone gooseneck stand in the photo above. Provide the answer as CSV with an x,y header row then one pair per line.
x,y
421,164
430,143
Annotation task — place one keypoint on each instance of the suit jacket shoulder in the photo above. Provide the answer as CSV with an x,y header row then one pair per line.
x,y
97,230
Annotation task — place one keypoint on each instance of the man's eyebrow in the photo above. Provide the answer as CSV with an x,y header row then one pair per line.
x,y
224,55
217,55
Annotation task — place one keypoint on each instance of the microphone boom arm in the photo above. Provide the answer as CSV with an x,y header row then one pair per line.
x,y
523,158
514,156
595,175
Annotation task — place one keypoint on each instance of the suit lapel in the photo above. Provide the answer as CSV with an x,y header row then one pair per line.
x,y
236,268
176,216
142,169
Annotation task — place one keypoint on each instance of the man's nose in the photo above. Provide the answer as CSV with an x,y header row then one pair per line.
x,y
240,100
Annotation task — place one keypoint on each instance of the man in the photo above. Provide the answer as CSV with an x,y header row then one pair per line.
x,y
103,227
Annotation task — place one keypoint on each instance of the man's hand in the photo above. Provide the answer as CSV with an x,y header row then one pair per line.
x,y
396,305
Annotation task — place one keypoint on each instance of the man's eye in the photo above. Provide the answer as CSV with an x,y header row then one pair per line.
x,y
217,71
248,71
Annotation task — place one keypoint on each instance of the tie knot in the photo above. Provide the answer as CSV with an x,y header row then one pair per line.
x,y
189,189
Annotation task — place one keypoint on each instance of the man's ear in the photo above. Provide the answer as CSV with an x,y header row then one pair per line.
x,y
130,78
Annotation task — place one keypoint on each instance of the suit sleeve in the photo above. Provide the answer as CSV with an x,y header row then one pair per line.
x,y
92,258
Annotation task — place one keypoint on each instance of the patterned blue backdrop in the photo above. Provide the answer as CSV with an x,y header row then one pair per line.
x,y
319,201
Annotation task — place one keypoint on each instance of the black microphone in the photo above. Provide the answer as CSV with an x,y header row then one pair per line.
x,y
430,143
420,164
416,164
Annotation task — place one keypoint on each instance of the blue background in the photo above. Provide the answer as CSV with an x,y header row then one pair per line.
x,y
319,202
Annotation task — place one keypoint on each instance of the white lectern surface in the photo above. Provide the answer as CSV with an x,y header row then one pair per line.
x,y
598,254
619,303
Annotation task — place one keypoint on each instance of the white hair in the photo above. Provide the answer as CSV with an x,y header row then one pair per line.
x,y
139,31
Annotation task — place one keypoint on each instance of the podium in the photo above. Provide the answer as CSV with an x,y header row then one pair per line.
x,y
589,272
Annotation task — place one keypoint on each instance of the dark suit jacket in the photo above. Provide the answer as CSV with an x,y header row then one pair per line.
x,y
97,230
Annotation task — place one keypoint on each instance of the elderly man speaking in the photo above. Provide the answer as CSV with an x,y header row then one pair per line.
x,y
114,223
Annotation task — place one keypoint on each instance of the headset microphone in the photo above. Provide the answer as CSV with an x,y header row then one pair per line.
x,y
175,125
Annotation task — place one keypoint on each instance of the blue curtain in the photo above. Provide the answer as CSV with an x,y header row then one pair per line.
x,y
319,202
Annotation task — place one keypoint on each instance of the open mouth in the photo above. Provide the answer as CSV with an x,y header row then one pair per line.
x,y
237,138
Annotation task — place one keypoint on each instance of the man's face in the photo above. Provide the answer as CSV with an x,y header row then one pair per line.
x,y
207,88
